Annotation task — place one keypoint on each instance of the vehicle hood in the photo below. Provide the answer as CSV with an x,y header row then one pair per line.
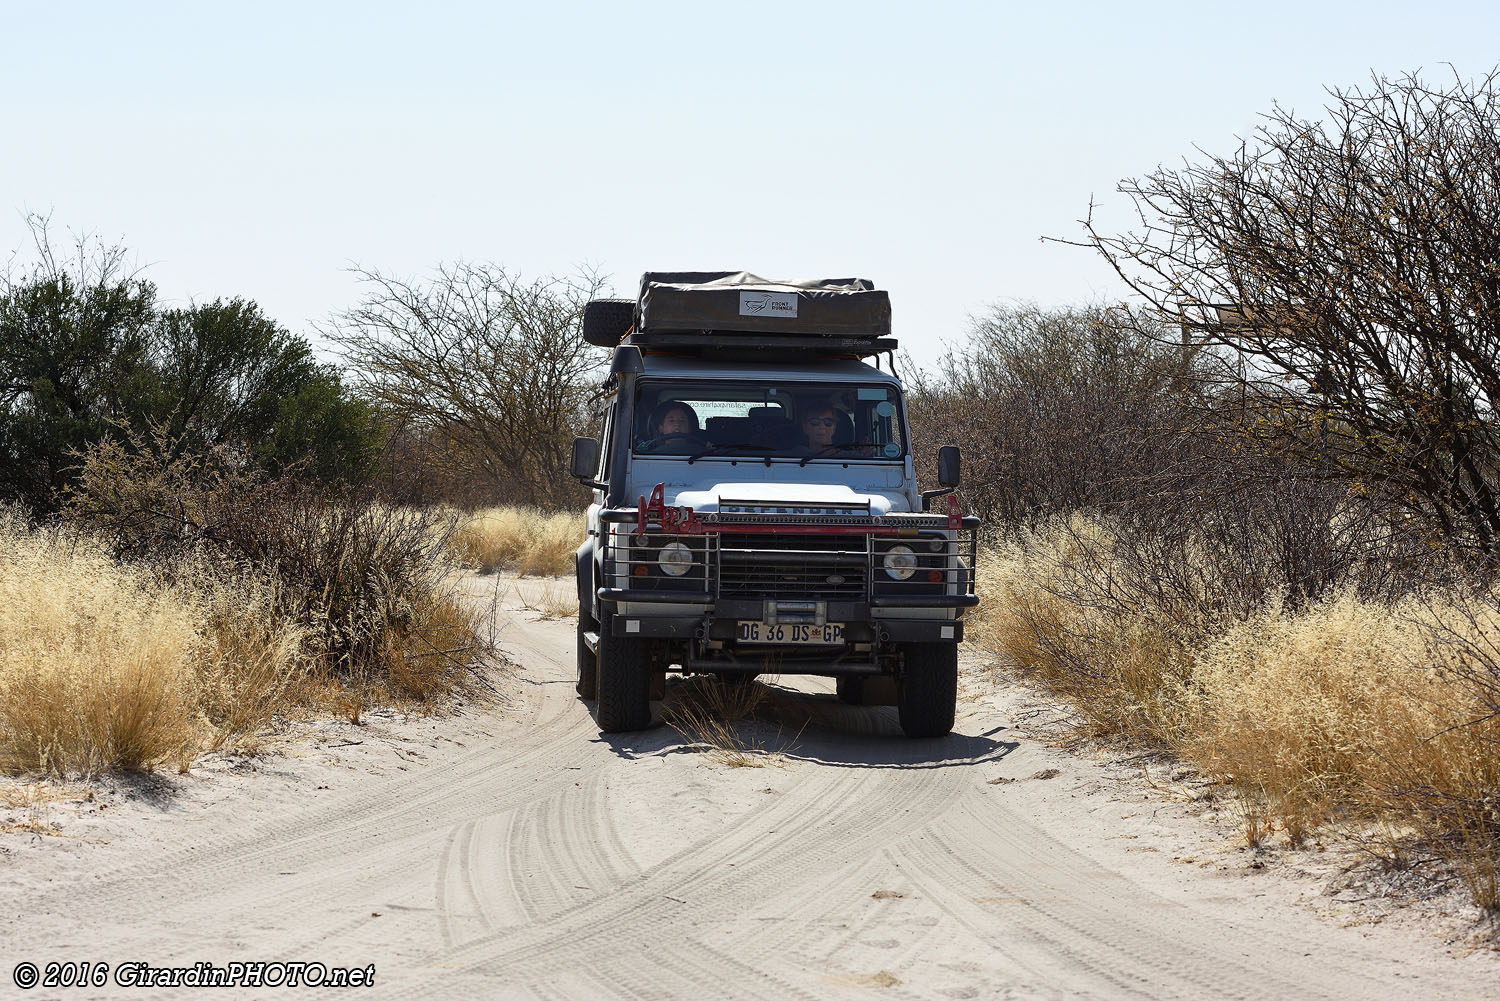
x,y
786,498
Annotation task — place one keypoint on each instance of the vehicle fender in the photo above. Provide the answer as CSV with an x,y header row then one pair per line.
x,y
584,572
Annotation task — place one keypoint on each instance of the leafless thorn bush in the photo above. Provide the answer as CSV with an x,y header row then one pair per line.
x,y
1340,273
492,367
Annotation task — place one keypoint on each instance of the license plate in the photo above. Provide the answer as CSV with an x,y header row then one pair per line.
x,y
792,633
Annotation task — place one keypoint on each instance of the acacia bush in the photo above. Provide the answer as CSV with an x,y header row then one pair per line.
x,y
1097,410
85,345
1191,584
1254,519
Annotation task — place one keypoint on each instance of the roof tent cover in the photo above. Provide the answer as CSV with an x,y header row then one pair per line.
x,y
739,300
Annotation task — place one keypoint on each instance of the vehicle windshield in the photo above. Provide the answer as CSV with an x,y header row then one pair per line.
x,y
779,419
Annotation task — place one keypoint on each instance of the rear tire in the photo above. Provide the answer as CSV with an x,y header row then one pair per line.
x,y
624,680
588,664
927,690
851,689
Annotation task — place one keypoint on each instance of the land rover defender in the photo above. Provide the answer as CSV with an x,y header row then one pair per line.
x,y
755,503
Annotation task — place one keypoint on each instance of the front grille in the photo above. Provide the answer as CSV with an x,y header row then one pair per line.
x,y
809,567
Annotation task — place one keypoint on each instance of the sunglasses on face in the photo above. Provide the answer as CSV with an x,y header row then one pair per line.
x,y
819,422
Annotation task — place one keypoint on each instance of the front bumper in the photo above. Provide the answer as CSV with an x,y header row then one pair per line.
x,y
714,627
792,569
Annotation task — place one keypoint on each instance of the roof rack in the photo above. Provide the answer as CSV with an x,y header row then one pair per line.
x,y
741,345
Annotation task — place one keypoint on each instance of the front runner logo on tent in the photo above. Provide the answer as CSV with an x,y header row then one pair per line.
x,y
768,304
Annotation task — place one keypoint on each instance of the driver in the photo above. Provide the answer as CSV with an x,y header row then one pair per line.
x,y
673,426
819,424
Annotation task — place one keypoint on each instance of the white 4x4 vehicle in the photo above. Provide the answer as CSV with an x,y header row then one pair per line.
x,y
755,503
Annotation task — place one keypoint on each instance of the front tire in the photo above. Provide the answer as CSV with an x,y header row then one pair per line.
x,y
624,681
927,690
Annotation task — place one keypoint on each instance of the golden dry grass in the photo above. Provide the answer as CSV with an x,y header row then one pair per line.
x,y
1124,672
432,654
249,659
524,540
105,667
96,671
25,807
1348,711
1298,710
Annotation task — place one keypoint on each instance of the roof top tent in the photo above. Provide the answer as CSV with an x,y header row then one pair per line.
x,y
695,311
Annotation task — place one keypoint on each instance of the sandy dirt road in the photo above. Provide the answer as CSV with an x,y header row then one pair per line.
x,y
521,854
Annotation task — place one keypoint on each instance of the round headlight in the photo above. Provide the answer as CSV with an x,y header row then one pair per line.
x,y
900,562
675,559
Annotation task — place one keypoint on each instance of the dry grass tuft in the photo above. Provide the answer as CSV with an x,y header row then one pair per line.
x,y
432,653
1302,711
96,667
250,657
554,599
525,540
707,711
1051,606
32,803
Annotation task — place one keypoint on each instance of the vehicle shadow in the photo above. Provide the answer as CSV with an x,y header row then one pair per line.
x,y
816,727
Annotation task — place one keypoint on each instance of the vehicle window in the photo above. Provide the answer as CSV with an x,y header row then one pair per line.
x,y
812,421
607,449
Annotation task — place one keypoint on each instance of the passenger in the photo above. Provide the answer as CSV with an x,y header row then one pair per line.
x,y
673,426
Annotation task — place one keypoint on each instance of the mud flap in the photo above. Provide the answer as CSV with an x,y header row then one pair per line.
x,y
879,690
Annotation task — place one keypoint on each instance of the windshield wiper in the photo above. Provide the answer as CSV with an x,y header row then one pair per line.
x,y
722,449
823,453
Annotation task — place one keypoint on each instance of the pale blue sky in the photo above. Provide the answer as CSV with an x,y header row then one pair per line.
x,y
262,149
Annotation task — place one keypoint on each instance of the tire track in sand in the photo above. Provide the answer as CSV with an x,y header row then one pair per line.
x,y
720,876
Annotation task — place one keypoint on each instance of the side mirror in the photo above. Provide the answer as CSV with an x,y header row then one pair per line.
x,y
948,466
585,458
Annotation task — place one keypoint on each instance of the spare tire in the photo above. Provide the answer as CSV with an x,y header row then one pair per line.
x,y
607,321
